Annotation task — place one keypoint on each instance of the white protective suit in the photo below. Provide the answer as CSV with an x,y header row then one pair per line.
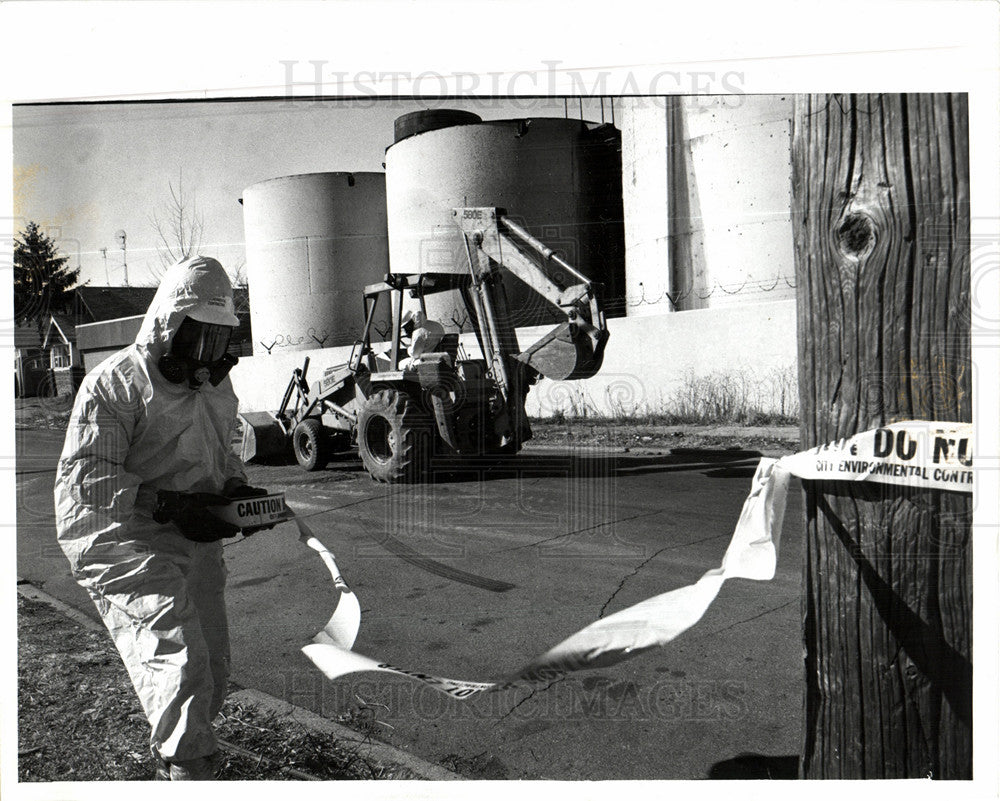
x,y
426,336
160,594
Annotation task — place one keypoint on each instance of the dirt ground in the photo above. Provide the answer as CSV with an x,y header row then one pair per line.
x,y
79,719
638,437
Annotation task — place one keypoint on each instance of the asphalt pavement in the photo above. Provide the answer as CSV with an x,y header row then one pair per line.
x,y
473,574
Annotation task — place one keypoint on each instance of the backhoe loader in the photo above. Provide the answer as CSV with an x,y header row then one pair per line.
x,y
401,412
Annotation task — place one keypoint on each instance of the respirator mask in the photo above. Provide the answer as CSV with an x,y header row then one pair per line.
x,y
198,354
411,321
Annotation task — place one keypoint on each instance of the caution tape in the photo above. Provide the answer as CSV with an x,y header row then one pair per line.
x,y
342,628
913,453
330,649
927,455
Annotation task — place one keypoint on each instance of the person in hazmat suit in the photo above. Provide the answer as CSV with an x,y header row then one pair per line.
x,y
422,336
147,453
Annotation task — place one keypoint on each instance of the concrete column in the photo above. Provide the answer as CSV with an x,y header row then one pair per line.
x,y
645,195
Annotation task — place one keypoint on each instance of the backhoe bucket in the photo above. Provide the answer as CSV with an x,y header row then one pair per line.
x,y
568,352
263,436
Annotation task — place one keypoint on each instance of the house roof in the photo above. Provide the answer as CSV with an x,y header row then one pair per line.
x,y
26,336
100,303
60,327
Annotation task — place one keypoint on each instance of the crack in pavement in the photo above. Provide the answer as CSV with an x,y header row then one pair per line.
x,y
530,695
650,559
749,619
579,531
637,569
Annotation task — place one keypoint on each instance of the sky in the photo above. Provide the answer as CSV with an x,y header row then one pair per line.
x,y
86,171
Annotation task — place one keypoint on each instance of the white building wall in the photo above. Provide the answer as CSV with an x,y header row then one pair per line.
x,y
652,364
737,231
707,198
648,361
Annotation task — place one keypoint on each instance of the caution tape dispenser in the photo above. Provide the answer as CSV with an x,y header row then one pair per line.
x,y
251,513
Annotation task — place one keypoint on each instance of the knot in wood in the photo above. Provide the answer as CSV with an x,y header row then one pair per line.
x,y
855,235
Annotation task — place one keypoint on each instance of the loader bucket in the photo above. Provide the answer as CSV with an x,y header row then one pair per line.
x,y
263,436
567,352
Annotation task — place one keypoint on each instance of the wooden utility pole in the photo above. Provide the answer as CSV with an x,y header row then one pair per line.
x,y
880,212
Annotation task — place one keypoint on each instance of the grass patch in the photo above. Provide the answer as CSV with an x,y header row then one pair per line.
x,y
733,398
79,718
717,398
283,747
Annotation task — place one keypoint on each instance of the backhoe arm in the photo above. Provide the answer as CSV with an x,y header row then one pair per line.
x,y
573,349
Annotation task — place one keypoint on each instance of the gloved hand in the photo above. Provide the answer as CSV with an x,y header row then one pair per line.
x,y
234,490
189,512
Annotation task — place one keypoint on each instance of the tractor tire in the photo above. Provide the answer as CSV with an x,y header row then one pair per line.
x,y
310,445
394,438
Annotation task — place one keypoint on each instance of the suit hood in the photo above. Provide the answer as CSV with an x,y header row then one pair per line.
x,y
196,287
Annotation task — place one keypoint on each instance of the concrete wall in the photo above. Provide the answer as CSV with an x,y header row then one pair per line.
x,y
707,200
645,197
260,380
649,363
732,197
653,364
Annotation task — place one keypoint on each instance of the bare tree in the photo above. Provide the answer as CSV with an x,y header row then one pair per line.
x,y
179,225
239,274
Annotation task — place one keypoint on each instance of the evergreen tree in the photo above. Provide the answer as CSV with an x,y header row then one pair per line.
x,y
42,283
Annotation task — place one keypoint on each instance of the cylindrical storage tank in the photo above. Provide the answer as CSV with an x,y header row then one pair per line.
x,y
313,242
560,178
416,122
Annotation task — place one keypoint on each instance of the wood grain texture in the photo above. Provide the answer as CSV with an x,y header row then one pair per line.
x,y
881,222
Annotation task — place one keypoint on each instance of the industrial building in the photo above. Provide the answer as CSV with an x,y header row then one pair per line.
x,y
679,206
681,209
